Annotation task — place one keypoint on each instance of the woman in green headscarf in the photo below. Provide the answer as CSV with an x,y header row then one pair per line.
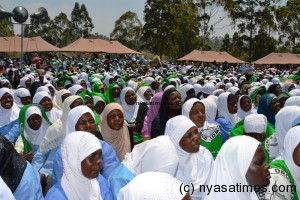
x,y
112,93
99,102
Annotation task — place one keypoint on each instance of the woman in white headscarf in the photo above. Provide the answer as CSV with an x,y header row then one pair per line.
x,y
211,109
143,158
44,99
227,117
82,160
22,97
195,161
145,94
244,107
9,113
76,89
285,170
60,98
195,110
153,185
237,165
292,101
284,119
186,90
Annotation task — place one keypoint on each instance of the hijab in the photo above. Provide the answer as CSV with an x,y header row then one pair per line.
x,y
76,147
283,123
291,141
141,92
5,192
7,115
120,139
56,132
240,112
211,109
193,167
143,157
58,98
74,115
152,185
32,138
12,165
74,89
184,89
54,114
223,108
264,107
286,86
231,166
151,114
20,93
292,101
130,111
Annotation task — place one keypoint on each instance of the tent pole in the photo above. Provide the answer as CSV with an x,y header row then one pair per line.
x,y
21,59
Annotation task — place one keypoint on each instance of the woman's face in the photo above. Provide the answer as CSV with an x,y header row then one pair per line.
x,y
46,103
190,141
89,102
278,89
174,101
26,100
7,101
296,155
91,165
197,114
116,92
83,84
232,105
34,121
275,105
258,171
86,123
64,96
99,107
246,104
77,102
115,119
28,83
130,97
148,94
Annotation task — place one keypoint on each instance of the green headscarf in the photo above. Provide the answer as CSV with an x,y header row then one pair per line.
x,y
255,93
109,93
95,87
27,146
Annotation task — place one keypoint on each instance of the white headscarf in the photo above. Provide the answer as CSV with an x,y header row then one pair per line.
x,y
96,99
283,122
18,94
74,115
184,89
233,90
132,84
22,81
35,137
291,141
208,88
255,123
76,147
143,157
152,185
141,92
130,111
242,114
211,108
56,132
292,101
187,106
193,167
5,192
58,98
44,88
106,80
198,88
295,92
223,108
8,115
231,166
74,89
54,114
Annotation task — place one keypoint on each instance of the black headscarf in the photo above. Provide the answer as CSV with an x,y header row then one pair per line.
x,y
272,89
12,164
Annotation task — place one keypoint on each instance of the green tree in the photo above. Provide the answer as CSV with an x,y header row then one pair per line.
x,y
263,44
81,23
288,19
249,15
226,43
6,30
128,30
171,27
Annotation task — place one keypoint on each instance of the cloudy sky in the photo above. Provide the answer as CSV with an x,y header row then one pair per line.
x,y
104,13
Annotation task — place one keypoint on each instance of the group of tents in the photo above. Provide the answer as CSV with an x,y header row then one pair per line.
x,y
38,44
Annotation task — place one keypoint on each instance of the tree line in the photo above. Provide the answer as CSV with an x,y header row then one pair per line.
x,y
175,27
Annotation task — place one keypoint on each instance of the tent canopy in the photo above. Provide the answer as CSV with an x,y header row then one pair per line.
x,y
210,56
97,45
35,44
279,58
